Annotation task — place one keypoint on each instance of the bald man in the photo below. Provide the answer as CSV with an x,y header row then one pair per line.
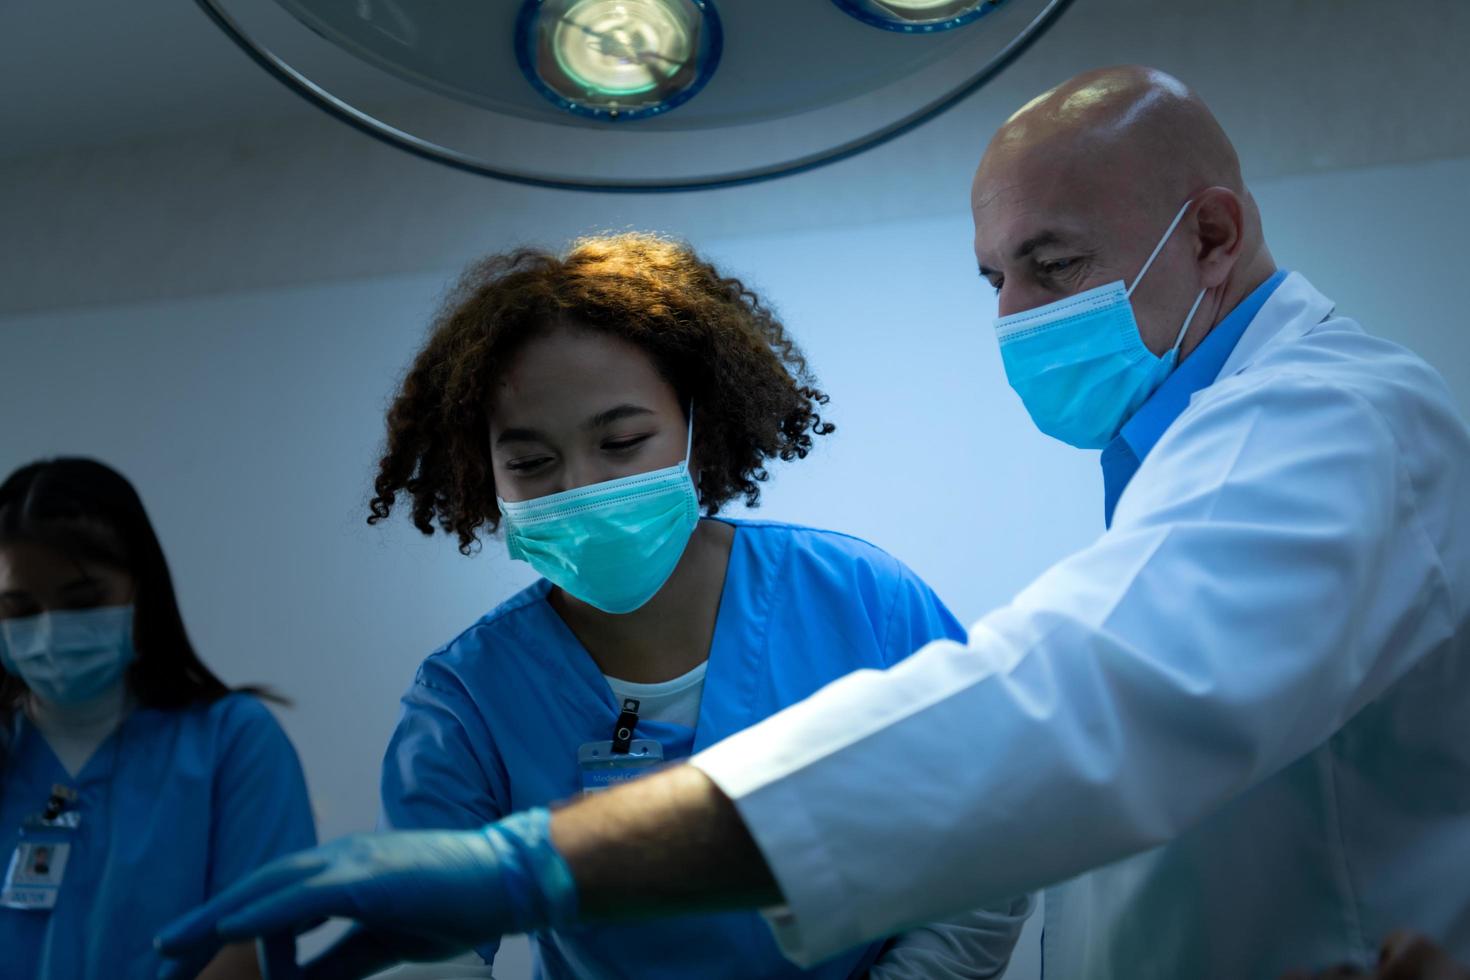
x,y
1231,737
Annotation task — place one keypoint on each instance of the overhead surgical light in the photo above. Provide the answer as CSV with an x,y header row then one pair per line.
x,y
618,59
918,16
633,95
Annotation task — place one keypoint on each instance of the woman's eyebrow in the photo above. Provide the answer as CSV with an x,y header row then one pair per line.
x,y
519,435
615,414
74,586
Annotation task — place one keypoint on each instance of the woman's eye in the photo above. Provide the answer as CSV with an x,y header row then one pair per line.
x,y
618,445
525,465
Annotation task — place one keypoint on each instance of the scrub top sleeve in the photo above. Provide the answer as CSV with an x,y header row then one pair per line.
x,y
261,807
916,617
432,776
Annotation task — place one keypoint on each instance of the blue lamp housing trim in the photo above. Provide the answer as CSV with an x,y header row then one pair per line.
x,y
869,13
706,60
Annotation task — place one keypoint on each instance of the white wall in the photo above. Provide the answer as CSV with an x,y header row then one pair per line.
x,y
250,423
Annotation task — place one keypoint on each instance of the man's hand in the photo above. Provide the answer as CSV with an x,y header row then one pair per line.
x,y
1404,956
415,896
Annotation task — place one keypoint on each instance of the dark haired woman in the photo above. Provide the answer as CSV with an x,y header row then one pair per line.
x,y
591,406
133,783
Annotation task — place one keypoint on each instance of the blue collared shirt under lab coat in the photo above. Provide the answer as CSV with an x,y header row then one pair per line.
x,y
493,721
175,806
1122,457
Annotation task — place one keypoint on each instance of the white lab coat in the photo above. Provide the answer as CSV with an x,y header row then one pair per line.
x,y
1247,705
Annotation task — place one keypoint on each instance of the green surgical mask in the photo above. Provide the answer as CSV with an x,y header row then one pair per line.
x,y
612,544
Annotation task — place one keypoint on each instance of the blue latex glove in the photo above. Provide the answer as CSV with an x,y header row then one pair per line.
x,y
422,895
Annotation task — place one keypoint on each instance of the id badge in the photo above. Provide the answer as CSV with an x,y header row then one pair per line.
x,y
602,768
33,877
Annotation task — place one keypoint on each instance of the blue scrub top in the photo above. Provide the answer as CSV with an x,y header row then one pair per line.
x,y
494,719
175,806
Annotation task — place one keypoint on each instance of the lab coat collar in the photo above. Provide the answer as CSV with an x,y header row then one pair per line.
x,y
1199,370
1293,309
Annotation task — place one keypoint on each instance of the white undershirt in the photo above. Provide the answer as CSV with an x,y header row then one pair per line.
x,y
675,701
74,731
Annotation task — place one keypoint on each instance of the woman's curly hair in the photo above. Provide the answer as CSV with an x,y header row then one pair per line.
x,y
709,336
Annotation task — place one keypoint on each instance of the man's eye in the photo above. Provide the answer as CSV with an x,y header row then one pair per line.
x,y
1057,265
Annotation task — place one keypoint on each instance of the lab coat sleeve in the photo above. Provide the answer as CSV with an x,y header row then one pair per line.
x,y
1218,632
977,943
261,807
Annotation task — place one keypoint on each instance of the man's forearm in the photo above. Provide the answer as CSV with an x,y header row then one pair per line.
x,y
669,843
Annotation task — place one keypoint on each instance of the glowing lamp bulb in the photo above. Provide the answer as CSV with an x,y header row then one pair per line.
x,y
618,59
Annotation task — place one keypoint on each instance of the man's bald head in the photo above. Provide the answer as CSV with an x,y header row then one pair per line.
x,y
1137,129
1097,167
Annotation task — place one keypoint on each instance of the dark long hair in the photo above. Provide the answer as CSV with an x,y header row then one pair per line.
x,y
89,511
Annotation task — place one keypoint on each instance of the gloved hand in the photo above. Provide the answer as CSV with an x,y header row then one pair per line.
x,y
420,895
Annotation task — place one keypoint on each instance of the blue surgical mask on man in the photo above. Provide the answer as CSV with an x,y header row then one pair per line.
x,y
612,544
1080,365
69,656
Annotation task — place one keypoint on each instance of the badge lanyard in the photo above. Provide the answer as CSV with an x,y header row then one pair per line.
x,y
604,765
38,865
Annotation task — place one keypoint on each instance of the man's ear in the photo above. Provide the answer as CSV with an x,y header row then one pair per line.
x,y
1219,217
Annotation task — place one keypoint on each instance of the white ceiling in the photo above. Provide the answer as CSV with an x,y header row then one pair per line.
x,y
83,73
87,73
147,150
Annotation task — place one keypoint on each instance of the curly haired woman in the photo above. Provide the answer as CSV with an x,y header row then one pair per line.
x,y
592,406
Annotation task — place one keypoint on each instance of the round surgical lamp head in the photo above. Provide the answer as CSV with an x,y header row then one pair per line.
x,y
618,60
918,16
632,95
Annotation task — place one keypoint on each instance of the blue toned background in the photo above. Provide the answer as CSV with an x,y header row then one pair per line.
x,y
220,303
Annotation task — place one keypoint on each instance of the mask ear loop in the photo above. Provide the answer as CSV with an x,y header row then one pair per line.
x,y
688,448
689,439
1159,247
1179,340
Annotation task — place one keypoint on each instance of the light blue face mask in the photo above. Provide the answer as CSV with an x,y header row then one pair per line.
x,y
1080,365
69,656
612,544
